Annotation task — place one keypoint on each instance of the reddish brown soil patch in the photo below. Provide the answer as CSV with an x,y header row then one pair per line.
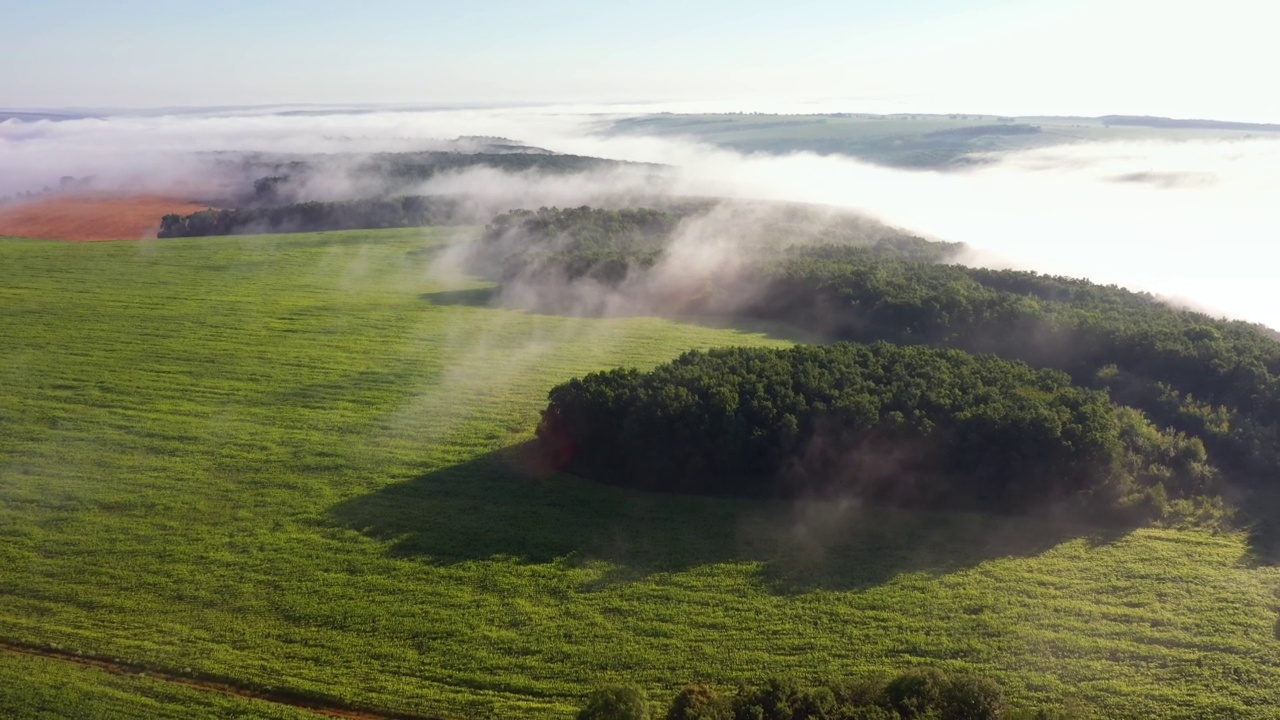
x,y
90,217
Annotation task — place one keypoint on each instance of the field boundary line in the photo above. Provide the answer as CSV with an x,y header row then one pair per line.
x,y
206,683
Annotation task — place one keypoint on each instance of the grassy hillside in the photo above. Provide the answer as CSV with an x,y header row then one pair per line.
x,y
288,462
39,689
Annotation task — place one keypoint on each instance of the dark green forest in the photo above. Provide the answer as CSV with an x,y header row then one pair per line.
x,y
1192,375
886,423
398,212
606,244
1210,378
576,242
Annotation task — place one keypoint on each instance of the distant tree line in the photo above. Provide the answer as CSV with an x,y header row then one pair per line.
x,y
1173,123
569,243
285,194
920,694
285,179
66,184
313,217
425,165
574,242
887,423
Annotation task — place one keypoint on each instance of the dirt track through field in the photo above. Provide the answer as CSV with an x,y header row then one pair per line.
x,y
90,217
278,697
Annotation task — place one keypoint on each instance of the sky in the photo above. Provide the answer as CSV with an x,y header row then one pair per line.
x,y
1088,57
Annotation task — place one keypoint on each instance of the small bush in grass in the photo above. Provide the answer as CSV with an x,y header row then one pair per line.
x,y
968,697
700,702
917,693
862,698
616,702
784,699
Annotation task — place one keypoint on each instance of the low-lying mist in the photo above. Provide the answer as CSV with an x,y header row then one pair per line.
x,y
696,257
1193,221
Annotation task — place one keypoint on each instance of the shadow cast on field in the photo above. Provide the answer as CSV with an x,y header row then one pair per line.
x,y
501,505
473,297
1259,514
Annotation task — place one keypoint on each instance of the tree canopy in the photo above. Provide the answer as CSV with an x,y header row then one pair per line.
x,y
409,211
890,423
1212,379
923,693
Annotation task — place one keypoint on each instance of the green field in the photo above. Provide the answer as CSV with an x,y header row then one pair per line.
x,y
291,463
51,690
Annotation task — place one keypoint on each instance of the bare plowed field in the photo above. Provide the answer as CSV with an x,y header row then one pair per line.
x,y
80,217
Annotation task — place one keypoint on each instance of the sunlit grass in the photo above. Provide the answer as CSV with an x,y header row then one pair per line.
x,y
40,689
279,460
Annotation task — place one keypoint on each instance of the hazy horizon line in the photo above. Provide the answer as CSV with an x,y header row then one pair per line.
x,y
620,107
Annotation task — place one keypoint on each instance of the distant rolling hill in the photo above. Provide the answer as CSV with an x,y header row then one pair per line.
x,y
914,140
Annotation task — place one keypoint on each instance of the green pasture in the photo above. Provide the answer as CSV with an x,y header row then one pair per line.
x,y
300,463
34,688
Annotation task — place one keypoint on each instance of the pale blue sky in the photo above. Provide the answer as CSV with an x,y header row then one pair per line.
x,y
976,55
